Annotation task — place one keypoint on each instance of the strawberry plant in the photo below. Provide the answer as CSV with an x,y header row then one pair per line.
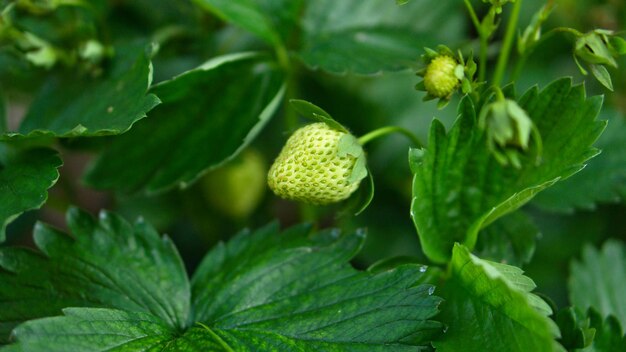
x,y
324,175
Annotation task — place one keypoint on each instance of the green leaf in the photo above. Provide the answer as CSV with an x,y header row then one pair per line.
x,y
361,199
459,187
71,107
25,176
3,114
489,307
314,112
598,281
94,329
509,240
359,171
349,145
602,75
368,36
263,290
349,303
209,114
109,264
271,20
575,328
602,180
609,336
618,44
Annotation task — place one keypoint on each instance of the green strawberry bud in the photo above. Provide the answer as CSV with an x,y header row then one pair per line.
x,y
509,130
318,165
441,79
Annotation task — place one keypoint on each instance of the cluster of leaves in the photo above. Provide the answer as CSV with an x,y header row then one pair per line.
x,y
164,93
126,288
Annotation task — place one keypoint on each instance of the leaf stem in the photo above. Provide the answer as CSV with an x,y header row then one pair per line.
x,y
217,337
508,43
519,65
499,93
388,130
282,56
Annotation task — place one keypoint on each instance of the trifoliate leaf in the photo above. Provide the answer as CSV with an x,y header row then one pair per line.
x,y
366,37
109,105
314,112
126,289
208,116
489,307
25,176
459,187
598,281
509,240
602,180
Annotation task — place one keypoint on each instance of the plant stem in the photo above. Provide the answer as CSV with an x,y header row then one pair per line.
x,y
473,16
388,130
484,42
499,93
482,59
519,65
508,42
282,56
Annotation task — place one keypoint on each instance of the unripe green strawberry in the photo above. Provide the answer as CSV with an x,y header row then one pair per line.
x,y
311,168
440,79
237,188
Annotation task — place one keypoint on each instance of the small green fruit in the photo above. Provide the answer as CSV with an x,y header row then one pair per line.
x,y
440,79
237,188
311,168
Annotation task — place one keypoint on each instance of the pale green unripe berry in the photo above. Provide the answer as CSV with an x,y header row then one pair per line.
x,y
440,79
309,169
